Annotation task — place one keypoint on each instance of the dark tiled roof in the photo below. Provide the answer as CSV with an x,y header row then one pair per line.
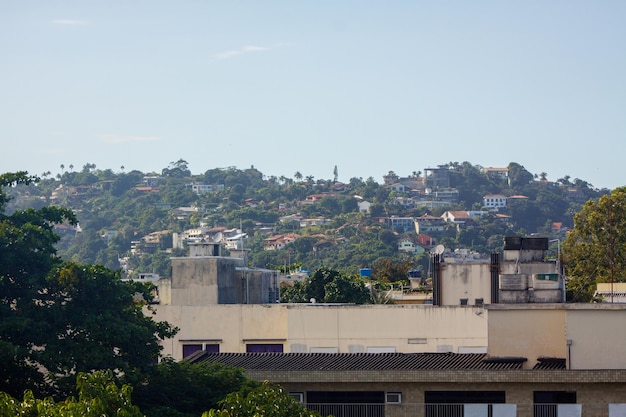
x,y
550,363
358,361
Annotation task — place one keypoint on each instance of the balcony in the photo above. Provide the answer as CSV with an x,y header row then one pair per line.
x,y
469,410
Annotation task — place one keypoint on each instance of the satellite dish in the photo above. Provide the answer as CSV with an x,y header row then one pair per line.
x,y
439,249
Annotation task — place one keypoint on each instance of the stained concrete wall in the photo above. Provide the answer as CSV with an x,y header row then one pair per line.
x,y
204,280
300,328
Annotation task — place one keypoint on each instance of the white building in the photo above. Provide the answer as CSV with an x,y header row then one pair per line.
x,y
494,201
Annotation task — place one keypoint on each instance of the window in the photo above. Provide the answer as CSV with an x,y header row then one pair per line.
x,y
191,348
546,402
299,396
479,301
463,301
381,349
347,403
451,403
264,347
393,398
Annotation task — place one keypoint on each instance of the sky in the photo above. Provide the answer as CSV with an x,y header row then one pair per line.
x,y
286,86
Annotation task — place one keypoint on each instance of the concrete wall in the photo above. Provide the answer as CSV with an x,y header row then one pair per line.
x,y
300,328
594,331
594,390
598,337
472,280
204,280
465,280
529,331
195,281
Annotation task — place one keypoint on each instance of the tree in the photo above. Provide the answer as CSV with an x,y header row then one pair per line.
x,y
388,271
178,169
268,400
186,390
98,395
518,175
58,319
27,252
335,174
327,286
95,321
595,248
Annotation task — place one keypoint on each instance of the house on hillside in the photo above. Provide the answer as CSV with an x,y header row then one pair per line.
x,y
429,224
364,206
314,221
425,241
315,198
456,217
278,242
494,201
437,177
409,246
404,223
199,189
396,186
497,173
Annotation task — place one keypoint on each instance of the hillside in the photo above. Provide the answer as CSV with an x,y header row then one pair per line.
x,y
137,221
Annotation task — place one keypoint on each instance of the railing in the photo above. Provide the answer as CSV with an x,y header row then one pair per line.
x,y
349,410
407,409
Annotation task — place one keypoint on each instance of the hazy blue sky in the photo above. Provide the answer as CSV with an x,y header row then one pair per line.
x,y
292,86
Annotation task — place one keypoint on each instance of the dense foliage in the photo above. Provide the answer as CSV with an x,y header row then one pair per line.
x,y
595,249
266,400
186,391
98,396
61,318
182,389
327,286
117,210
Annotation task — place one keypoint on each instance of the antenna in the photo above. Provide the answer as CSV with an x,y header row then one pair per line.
x,y
439,250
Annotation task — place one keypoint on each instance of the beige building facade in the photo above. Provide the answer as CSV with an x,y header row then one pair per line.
x,y
586,336
315,328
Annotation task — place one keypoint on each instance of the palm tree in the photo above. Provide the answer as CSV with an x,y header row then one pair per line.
x,y
298,176
71,167
62,168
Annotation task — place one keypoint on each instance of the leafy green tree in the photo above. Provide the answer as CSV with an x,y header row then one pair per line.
x,y
595,249
95,322
183,389
124,182
518,175
327,286
388,271
346,289
98,396
268,400
27,251
57,319
177,169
